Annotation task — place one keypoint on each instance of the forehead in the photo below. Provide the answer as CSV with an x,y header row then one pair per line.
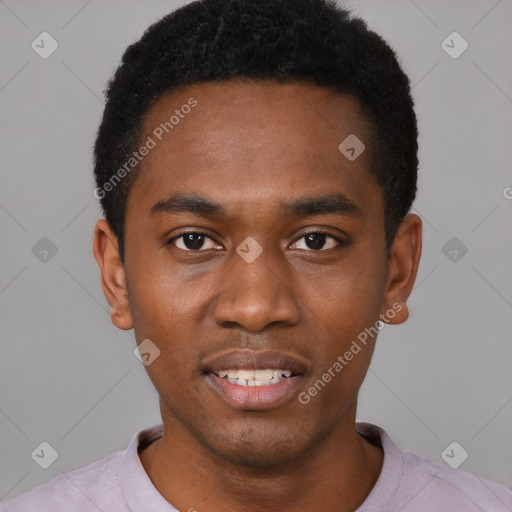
x,y
253,139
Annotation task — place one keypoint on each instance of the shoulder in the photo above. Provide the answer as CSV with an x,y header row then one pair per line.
x,y
91,488
444,488
413,483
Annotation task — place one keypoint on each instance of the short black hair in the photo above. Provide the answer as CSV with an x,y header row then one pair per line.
x,y
313,41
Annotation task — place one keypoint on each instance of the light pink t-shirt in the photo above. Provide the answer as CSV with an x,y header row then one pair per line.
x,y
407,483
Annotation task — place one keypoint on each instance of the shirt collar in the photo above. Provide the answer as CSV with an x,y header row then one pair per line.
x,y
141,494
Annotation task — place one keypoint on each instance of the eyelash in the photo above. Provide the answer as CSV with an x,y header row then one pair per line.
x,y
341,243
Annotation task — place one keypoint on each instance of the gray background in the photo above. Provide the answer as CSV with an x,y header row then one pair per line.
x,y
70,378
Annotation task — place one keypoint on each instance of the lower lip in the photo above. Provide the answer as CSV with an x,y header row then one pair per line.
x,y
255,397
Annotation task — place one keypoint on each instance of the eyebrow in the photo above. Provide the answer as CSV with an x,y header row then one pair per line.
x,y
332,204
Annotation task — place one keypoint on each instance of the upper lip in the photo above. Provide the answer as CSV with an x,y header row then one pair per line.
x,y
255,360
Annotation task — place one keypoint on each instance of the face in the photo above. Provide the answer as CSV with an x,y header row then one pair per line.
x,y
255,251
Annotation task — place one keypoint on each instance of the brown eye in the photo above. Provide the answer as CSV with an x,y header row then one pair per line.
x,y
193,241
317,241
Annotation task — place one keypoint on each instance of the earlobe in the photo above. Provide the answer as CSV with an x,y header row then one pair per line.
x,y
113,279
405,255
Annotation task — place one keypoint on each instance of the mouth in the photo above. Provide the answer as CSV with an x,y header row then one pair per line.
x,y
266,377
251,380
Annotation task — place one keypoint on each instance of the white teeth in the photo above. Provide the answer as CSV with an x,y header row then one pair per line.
x,y
265,377
246,374
263,374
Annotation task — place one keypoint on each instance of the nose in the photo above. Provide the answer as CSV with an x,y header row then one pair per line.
x,y
255,295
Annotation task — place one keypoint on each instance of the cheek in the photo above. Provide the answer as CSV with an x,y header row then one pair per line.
x,y
344,313
346,298
344,308
163,306
155,292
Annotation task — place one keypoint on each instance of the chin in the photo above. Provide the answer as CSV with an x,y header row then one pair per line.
x,y
256,448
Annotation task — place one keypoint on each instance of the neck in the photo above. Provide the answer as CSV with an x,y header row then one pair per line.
x,y
337,473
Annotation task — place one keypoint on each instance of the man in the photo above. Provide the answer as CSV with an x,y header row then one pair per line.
x,y
256,163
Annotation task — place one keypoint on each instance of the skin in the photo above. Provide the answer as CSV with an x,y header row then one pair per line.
x,y
250,145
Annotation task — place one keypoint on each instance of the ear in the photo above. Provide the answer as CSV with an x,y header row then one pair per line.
x,y
403,265
113,280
